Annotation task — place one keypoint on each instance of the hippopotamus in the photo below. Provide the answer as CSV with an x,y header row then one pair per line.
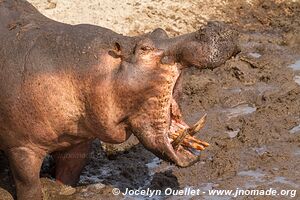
x,y
63,86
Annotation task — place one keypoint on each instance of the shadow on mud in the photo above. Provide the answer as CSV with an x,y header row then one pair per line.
x,y
6,182
131,169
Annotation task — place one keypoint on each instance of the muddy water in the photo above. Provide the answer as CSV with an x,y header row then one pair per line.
x,y
296,67
295,129
253,123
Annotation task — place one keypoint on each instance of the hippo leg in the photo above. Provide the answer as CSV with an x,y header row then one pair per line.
x,y
70,163
25,165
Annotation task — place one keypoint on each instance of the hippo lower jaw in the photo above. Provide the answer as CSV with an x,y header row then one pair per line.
x,y
183,146
175,142
183,153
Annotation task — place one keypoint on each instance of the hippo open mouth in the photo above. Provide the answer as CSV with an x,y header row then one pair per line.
x,y
158,125
181,136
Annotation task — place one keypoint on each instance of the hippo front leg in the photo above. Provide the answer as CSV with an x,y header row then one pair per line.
x,y
25,164
70,163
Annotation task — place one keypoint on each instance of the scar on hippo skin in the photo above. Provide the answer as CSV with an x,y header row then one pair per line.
x,y
84,82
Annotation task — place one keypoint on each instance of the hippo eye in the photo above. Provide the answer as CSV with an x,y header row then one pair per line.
x,y
146,48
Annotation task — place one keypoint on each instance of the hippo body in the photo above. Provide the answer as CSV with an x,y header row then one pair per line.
x,y
63,86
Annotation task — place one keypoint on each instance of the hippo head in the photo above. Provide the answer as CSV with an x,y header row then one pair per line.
x,y
146,93
147,81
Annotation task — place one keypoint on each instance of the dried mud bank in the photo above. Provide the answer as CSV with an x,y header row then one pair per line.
x,y
252,102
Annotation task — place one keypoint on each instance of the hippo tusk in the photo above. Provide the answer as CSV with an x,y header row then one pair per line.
x,y
197,126
188,133
188,140
194,140
197,146
182,133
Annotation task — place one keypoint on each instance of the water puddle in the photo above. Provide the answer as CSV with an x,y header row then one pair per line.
x,y
233,134
297,79
259,88
207,186
234,90
153,164
295,129
255,55
297,152
256,176
243,109
285,181
296,65
263,87
261,150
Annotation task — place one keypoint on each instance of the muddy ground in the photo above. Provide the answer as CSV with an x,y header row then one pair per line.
x,y
252,102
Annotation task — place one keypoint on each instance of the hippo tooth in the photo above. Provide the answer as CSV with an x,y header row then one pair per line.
x,y
198,125
188,133
182,133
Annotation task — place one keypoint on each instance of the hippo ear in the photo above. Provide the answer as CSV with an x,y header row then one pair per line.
x,y
116,51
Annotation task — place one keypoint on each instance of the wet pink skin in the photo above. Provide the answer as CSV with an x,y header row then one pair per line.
x,y
63,86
